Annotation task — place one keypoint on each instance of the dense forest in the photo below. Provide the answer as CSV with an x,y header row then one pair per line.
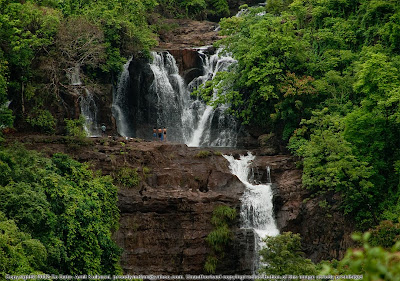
x,y
322,75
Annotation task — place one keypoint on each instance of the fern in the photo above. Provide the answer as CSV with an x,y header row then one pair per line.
x,y
219,238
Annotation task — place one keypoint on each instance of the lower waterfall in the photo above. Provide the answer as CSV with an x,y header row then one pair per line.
x,y
256,211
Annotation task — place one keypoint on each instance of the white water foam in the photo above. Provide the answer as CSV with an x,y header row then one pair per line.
x,y
188,119
87,103
256,211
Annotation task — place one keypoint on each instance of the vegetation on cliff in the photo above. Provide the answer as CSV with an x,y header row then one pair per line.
x,y
56,216
283,256
219,238
44,45
324,76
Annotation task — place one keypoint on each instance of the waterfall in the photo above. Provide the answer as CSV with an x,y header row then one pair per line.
x,y
86,102
226,125
89,112
188,119
119,106
269,175
172,95
256,210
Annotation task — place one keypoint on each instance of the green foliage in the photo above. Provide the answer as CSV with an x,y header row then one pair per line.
x,y
67,216
219,7
386,234
198,9
329,165
6,118
282,255
127,177
323,74
203,154
219,238
43,41
373,263
43,121
75,127
19,253
276,7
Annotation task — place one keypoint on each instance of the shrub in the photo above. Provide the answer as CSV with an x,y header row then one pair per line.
x,y
283,256
42,120
203,154
127,177
75,127
386,234
220,237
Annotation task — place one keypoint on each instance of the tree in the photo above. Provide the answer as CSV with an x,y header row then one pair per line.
x,y
19,253
81,44
373,263
282,255
66,207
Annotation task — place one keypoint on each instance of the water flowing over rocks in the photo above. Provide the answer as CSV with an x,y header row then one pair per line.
x,y
155,93
325,231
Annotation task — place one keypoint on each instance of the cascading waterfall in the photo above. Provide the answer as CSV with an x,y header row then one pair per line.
x,y
172,94
202,134
86,102
268,175
256,210
89,112
188,119
119,106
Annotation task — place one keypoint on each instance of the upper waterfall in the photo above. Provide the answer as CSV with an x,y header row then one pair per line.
x,y
155,94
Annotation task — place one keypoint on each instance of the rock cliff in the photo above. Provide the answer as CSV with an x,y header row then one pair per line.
x,y
166,217
325,231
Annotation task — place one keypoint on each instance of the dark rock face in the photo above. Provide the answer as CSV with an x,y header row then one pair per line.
x,y
164,224
141,102
325,231
189,62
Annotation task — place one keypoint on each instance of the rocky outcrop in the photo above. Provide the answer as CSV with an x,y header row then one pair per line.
x,y
189,62
166,218
325,231
188,34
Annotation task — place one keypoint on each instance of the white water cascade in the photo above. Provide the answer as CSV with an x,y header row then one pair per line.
x,y
202,133
86,102
256,211
188,119
89,112
119,106
172,94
